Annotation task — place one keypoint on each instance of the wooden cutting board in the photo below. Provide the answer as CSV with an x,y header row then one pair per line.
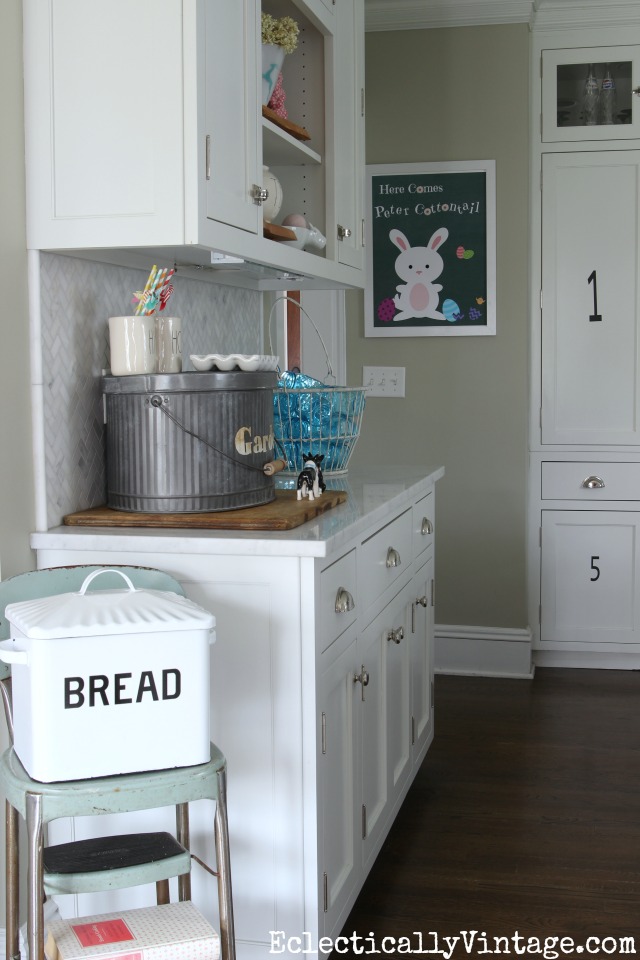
x,y
284,513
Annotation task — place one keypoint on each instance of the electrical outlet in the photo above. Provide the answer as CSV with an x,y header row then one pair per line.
x,y
383,381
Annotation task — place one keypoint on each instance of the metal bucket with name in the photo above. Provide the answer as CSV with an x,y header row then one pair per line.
x,y
189,442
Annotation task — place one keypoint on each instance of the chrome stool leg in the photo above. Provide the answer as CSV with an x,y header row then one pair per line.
x,y
13,879
182,835
227,930
35,913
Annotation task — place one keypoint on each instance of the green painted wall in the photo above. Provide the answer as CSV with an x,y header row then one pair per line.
x,y
16,471
460,94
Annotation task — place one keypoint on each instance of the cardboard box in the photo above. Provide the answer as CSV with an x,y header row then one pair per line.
x,y
173,931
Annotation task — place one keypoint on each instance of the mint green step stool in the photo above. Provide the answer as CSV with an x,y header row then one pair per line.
x,y
88,866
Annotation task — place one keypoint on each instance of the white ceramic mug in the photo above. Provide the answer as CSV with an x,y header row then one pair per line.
x,y
133,345
169,340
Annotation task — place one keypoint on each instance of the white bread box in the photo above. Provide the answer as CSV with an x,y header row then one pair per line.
x,y
109,681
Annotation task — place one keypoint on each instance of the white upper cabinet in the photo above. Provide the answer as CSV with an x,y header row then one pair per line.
x,y
145,135
591,94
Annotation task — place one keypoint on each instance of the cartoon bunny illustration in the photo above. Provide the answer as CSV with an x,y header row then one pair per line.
x,y
419,266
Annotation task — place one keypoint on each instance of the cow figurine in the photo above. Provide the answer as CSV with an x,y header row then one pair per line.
x,y
310,482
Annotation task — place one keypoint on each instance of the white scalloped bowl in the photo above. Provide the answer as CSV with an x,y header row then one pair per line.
x,y
231,361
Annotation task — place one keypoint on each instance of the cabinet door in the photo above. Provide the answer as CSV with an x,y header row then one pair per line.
x,y
384,649
98,175
372,655
590,261
422,660
339,782
608,110
348,91
233,154
589,588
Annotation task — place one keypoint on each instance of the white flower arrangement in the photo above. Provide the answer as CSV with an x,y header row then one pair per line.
x,y
282,32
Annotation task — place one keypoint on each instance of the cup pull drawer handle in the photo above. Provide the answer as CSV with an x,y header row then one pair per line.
x,y
393,558
426,527
593,483
344,601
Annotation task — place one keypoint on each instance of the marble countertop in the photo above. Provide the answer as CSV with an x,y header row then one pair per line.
x,y
372,494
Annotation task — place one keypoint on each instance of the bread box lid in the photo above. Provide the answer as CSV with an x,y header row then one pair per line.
x,y
107,612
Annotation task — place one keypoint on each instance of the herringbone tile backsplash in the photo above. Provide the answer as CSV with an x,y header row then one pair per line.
x,y
78,297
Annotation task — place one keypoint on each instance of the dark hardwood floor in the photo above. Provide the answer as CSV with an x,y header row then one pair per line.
x,y
524,818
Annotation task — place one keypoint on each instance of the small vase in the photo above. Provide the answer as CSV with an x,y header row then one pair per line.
x,y
271,206
272,60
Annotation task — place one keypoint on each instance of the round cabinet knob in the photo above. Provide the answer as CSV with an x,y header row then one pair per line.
x,y
393,558
396,635
593,483
426,527
344,601
363,678
636,91
343,232
258,193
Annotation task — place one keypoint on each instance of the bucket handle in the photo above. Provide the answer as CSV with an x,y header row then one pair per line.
x,y
157,402
98,573
278,300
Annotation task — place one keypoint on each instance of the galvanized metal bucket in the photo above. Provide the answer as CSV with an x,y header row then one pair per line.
x,y
189,442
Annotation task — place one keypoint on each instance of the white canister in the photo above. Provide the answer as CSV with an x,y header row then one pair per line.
x,y
169,341
133,345
272,205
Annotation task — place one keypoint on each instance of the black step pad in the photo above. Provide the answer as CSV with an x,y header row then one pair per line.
x,y
108,853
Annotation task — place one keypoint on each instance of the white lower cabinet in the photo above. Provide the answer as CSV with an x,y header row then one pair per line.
x,y
321,699
588,516
375,699
590,591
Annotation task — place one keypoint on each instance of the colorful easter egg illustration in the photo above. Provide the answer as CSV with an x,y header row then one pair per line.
x,y
451,311
468,254
386,310
463,254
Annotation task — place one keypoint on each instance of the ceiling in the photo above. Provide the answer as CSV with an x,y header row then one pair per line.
x,y
416,14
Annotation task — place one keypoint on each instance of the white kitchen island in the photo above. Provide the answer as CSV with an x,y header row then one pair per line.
x,y
321,694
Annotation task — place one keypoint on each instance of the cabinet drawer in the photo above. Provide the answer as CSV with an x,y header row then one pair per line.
x,y
590,481
423,525
385,556
340,576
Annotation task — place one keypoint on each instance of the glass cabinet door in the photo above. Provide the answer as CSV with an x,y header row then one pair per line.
x,y
590,94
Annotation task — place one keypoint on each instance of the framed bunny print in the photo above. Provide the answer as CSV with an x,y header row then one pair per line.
x,y
431,257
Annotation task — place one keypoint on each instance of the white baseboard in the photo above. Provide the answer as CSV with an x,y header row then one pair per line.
x,y
483,651
585,659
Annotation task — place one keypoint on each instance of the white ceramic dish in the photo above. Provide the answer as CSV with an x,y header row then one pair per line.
x,y
229,361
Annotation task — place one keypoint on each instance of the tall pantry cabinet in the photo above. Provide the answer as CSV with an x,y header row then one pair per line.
x,y
584,516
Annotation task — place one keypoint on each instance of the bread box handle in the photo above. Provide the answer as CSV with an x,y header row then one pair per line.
x,y
9,653
97,573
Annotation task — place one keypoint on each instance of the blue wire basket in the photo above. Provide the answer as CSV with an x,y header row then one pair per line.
x,y
318,421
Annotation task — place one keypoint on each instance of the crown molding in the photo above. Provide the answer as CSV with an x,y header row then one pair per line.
x,y
419,14
539,14
567,14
